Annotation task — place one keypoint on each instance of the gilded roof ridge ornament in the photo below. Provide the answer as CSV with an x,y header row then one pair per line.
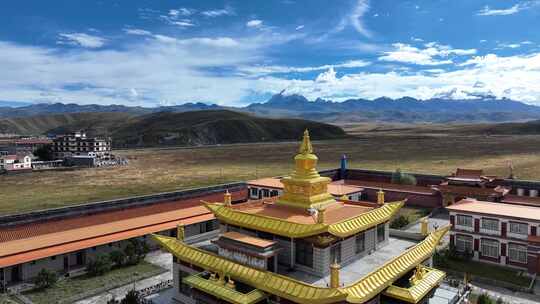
x,y
306,147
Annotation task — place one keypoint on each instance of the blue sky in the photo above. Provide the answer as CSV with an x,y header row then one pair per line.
x,y
153,53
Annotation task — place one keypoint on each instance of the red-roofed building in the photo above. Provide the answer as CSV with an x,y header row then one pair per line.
x,y
497,233
67,243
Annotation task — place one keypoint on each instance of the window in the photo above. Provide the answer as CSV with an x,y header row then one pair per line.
x,y
208,226
266,192
464,220
274,193
519,228
517,253
380,233
489,248
304,253
182,287
490,224
360,243
464,243
335,253
254,191
53,257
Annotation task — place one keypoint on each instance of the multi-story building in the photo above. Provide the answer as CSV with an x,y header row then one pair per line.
x,y
15,162
78,144
303,246
499,233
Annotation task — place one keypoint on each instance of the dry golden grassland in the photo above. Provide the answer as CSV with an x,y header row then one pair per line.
x,y
158,170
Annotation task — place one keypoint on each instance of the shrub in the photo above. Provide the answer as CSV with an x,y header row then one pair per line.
x,y
135,251
484,299
118,258
45,278
399,177
399,222
99,266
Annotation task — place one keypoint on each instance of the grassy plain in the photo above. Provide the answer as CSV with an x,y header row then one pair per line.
x,y
421,150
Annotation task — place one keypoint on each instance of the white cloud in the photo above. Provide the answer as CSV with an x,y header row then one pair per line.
x,y
488,11
299,27
181,12
514,77
218,12
138,32
432,54
254,23
355,19
183,23
165,69
278,69
81,39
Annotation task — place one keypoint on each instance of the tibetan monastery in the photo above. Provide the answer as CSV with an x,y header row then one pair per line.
x,y
304,246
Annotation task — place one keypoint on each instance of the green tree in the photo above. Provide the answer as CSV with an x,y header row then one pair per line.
x,y
99,266
399,177
399,222
44,152
118,258
135,251
484,299
45,278
396,176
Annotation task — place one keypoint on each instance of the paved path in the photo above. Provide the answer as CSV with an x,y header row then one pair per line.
x,y
508,296
158,258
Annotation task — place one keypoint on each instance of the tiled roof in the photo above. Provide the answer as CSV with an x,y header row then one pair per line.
x,y
376,281
496,209
389,186
464,190
221,291
242,238
48,227
417,292
283,286
25,243
521,200
287,225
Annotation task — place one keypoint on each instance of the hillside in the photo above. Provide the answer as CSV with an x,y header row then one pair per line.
x,y
170,128
517,128
94,123
215,127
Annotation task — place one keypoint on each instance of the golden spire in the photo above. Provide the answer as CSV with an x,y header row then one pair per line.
x,y
380,197
305,188
227,198
306,147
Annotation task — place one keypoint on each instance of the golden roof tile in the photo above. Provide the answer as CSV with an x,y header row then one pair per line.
x,y
294,229
359,292
417,292
221,291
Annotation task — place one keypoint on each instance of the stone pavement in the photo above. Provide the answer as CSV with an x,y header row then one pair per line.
x,y
508,296
159,258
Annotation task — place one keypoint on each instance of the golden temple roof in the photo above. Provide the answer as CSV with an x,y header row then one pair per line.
x,y
294,229
222,291
359,292
418,291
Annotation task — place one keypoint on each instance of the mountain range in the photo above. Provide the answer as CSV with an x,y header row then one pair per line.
x,y
406,109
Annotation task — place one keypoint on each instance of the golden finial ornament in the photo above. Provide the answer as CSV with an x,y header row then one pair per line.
x,y
306,147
